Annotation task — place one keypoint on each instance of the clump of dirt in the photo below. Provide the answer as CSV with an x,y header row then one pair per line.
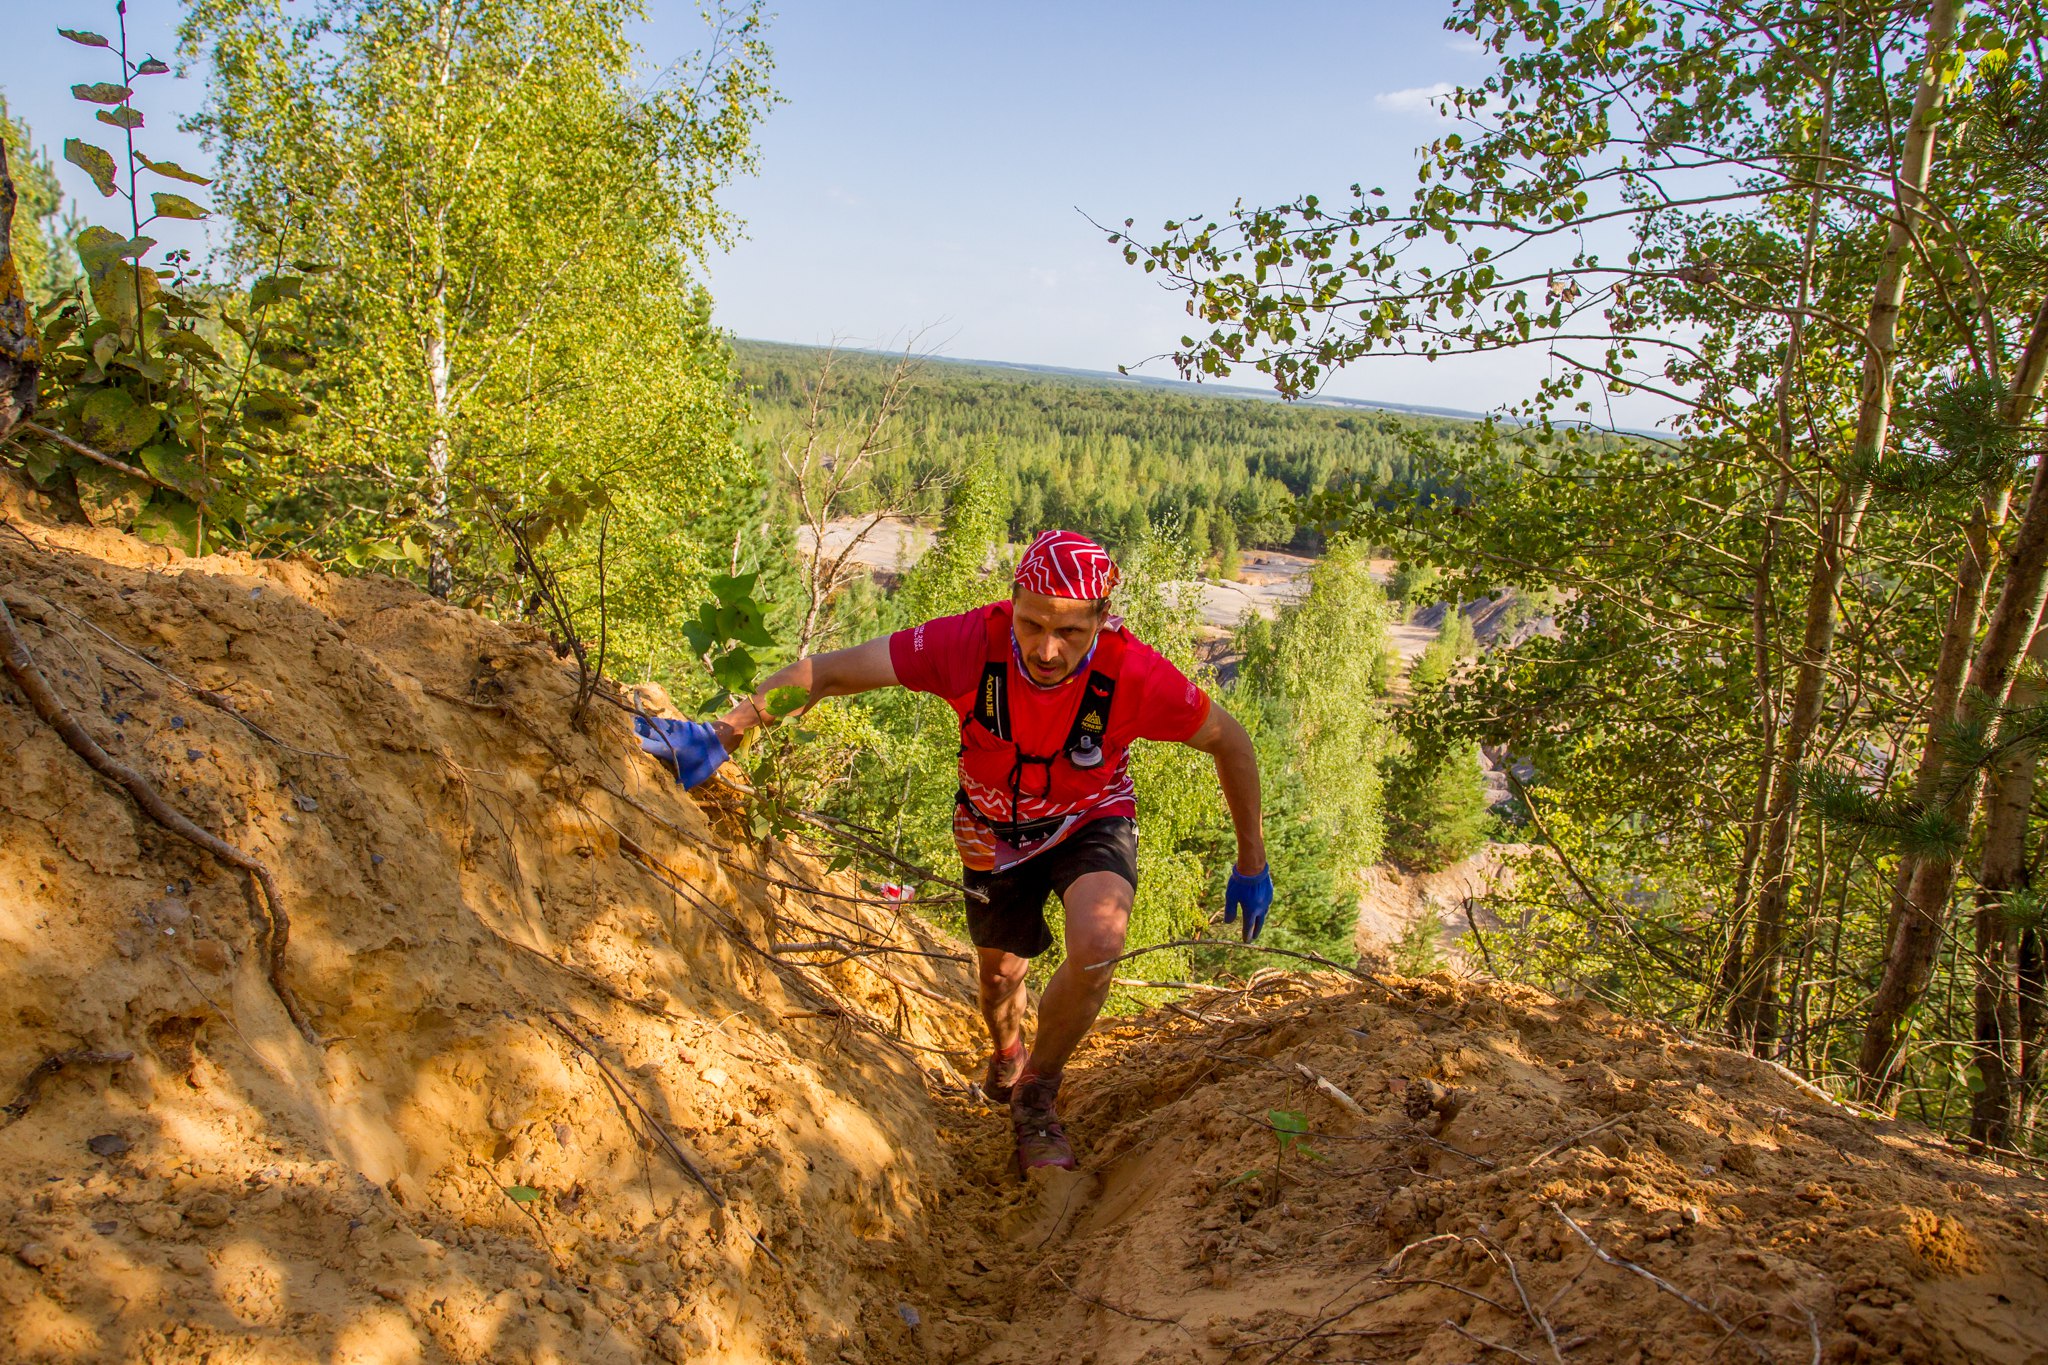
x,y
542,980
1484,1172
584,1087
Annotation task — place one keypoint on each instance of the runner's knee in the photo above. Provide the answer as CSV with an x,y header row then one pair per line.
x,y
1001,975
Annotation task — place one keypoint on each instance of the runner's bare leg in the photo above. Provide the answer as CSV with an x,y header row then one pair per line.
x,y
1098,916
1003,997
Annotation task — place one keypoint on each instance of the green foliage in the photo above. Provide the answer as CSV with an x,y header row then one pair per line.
x,y
1311,692
723,634
512,216
1114,459
178,380
1420,950
1437,812
1291,1134
1413,584
38,233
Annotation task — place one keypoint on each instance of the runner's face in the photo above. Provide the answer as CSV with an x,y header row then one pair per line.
x,y
1053,633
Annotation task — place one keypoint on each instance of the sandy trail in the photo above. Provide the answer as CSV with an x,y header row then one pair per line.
x,y
571,1104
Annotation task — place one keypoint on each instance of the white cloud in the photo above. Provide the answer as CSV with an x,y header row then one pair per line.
x,y
1421,99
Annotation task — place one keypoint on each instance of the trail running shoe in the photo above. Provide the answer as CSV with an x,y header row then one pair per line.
x,y
1041,1140
1003,1071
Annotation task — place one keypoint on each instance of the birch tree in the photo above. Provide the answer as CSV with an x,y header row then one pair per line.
x,y
512,206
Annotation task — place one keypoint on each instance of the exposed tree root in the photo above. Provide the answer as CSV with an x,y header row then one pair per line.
x,y
273,922
32,1084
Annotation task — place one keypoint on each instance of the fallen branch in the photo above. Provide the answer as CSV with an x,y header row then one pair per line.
x,y
1097,1301
1325,1085
1623,1263
32,1084
1355,973
833,828
79,448
273,922
1569,1142
655,1132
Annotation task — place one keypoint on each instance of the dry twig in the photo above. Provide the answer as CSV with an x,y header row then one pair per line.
x,y
1623,1263
655,1134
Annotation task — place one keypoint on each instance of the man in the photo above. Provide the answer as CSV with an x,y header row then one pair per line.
x,y
1050,690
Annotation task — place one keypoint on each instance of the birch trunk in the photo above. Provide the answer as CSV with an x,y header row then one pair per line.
x,y
1839,530
1925,882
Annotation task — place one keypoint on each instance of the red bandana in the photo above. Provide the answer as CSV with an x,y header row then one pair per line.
x,y
1066,564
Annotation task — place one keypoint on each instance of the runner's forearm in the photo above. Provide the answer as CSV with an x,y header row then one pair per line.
x,y
836,673
1237,770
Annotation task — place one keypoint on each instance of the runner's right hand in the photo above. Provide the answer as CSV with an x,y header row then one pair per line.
x,y
1253,893
688,748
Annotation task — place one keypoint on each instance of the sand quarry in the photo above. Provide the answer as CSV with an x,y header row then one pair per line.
x,y
565,1101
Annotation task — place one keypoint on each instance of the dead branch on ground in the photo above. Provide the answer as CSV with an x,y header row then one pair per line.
x,y
273,922
1623,1263
650,1130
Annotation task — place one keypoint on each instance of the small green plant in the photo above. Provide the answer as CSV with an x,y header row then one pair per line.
x,y
180,388
724,634
1290,1134
1419,951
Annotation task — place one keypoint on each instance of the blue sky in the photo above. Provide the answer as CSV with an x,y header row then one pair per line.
x,y
931,166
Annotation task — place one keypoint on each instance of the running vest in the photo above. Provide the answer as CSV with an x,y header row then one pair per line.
x,y
988,712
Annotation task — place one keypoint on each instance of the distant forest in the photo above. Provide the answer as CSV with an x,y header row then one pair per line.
x,y
1107,457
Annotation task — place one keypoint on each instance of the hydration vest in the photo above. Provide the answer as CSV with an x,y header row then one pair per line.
x,y
989,711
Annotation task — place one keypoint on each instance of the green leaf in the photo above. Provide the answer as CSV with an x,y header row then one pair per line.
x,y
115,423
312,267
734,670
1288,1121
108,497
785,701
83,38
271,288
175,206
524,1194
101,92
124,117
173,464
146,366
289,359
170,520
152,67
730,589
94,161
172,170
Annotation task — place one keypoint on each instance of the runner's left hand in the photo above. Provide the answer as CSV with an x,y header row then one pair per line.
x,y
1251,892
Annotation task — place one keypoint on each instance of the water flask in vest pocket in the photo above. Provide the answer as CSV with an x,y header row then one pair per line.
x,y
1085,753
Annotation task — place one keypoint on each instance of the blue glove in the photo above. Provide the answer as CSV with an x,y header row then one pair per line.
x,y
1254,894
689,748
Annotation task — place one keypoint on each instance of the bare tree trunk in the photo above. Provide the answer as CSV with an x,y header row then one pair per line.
x,y
1839,529
2033,1033
440,567
2002,873
440,521
1729,987
1925,882
20,350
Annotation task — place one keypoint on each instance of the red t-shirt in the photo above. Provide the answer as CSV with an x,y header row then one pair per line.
x,y
1154,700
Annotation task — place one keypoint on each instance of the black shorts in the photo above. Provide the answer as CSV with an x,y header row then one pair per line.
x,y
1013,917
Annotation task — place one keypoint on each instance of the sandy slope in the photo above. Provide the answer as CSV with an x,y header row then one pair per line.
x,y
480,893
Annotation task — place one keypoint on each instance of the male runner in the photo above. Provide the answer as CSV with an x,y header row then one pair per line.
x,y
1050,690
